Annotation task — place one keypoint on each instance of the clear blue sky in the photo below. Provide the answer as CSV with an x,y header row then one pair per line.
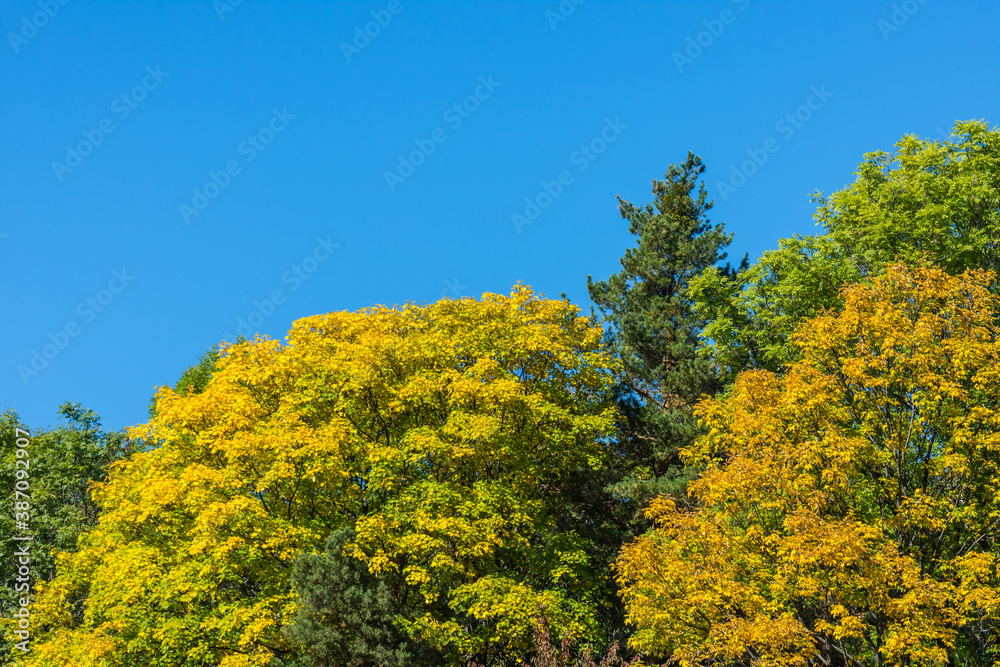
x,y
308,129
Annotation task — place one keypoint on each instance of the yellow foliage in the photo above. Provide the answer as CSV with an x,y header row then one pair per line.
x,y
436,430
849,512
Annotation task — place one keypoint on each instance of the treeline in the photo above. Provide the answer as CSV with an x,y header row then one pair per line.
x,y
789,462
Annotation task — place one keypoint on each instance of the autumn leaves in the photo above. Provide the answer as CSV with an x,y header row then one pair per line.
x,y
439,435
794,462
848,513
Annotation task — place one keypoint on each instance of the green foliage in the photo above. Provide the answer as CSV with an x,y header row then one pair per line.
x,y
345,616
750,318
653,327
195,378
929,202
933,199
63,464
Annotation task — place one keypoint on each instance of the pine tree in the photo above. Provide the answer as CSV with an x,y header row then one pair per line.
x,y
346,616
649,320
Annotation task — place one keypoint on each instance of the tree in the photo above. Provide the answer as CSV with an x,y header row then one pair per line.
x,y
567,654
654,328
931,200
442,435
849,512
196,377
345,616
62,464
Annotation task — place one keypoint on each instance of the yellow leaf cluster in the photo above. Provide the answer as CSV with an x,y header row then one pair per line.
x,y
439,432
850,508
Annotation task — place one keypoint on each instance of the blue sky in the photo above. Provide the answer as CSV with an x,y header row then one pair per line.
x,y
170,170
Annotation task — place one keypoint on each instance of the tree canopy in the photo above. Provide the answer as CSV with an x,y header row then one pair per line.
x,y
442,435
807,448
930,201
850,513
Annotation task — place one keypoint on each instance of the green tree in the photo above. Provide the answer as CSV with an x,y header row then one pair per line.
x,y
345,616
653,327
196,377
63,464
932,201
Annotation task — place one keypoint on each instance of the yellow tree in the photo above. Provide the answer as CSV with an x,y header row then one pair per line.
x,y
442,435
850,510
